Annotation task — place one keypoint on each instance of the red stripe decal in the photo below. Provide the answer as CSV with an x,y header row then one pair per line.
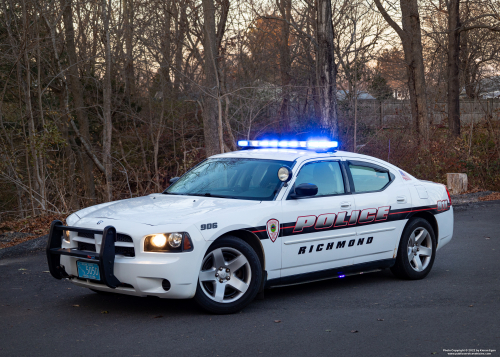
x,y
416,210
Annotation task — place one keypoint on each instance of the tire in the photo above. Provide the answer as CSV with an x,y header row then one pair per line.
x,y
416,252
230,276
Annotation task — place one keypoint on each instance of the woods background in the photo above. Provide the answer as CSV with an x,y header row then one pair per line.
x,y
104,100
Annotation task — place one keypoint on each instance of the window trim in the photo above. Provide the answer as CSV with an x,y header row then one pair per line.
x,y
345,180
379,168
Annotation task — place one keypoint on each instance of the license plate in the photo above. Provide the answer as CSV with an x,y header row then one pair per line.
x,y
88,270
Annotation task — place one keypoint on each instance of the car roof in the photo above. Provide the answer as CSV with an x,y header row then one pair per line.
x,y
294,155
289,154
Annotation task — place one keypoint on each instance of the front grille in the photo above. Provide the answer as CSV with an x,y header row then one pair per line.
x,y
86,246
86,235
126,251
123,238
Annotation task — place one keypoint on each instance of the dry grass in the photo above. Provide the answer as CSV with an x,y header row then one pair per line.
x,y
493,197
34,226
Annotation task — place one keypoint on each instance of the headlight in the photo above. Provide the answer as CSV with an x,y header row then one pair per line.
x,y
168,242
159,240
175,240
66,236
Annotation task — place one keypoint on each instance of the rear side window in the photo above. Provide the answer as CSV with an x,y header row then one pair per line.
x,y
324,174
368,178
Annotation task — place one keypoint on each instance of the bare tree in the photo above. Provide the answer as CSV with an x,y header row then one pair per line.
x,y
108,126
411,39
326,67
77,94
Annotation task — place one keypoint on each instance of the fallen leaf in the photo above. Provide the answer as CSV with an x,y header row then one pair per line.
x,y
328,330
157,317
354,331
23,269
471,305
104,312
45,271
76,305
380,319
277,321
434,353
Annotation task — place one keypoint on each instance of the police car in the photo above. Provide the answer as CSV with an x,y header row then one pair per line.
x,y
275,213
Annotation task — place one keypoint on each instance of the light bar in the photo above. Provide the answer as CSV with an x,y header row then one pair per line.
x,y
292,144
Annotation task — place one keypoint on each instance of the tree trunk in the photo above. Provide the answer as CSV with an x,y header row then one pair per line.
x,y
453,67
77,94
285,7
457,183
107,130
165,49
210,103
326,69
39,182
411,39
129,59
181,27
411,24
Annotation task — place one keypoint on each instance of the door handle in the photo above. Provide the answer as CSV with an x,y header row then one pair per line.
x,y
345,205
401,199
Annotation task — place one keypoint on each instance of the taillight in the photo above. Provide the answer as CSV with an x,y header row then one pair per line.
x,y
449,196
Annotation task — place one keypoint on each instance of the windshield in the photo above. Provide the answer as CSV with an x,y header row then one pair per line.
x,y
248,179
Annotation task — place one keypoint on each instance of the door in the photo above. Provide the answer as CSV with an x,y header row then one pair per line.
x,y
378,194
316,231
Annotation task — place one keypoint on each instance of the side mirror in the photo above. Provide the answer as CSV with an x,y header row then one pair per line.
x,y
285,174
174,179
305,190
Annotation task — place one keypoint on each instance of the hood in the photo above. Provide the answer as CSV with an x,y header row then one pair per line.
x,y
158,209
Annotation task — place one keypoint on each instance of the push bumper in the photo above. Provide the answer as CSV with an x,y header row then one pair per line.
x,y
105,258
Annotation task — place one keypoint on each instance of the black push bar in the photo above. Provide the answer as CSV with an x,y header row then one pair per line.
x,y
105,258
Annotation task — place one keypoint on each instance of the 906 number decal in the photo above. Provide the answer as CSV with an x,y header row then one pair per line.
x,y
208,226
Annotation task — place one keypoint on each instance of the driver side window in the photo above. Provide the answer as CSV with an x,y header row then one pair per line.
x,y
327,175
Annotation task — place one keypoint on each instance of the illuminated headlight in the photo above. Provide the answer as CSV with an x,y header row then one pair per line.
x,y
158,240
168,242
66,236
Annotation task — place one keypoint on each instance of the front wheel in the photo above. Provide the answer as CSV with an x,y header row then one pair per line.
x,y
416,252
230,276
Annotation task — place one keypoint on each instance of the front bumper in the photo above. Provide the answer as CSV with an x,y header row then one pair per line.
x,y
166,275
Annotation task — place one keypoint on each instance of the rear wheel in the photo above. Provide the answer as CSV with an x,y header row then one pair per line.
x,y
416,252
229,277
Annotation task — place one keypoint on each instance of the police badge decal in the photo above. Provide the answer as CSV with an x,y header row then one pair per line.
x,y
273,229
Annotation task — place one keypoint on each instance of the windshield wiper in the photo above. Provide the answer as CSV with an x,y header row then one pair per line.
x,y
208,194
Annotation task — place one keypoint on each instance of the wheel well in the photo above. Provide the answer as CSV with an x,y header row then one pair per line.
x,y
429,218
254,242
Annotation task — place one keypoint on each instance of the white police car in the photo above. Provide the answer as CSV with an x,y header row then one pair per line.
x,y
273,214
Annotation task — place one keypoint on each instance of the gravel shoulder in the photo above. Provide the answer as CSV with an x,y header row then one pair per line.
x,y
469,197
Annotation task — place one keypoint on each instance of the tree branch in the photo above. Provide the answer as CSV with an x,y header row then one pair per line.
x,y
87,147
480,26
389,20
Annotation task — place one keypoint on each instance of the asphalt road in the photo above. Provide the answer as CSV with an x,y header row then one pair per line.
x,y
456,307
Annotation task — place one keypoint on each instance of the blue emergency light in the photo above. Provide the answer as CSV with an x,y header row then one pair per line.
x,y
326,145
